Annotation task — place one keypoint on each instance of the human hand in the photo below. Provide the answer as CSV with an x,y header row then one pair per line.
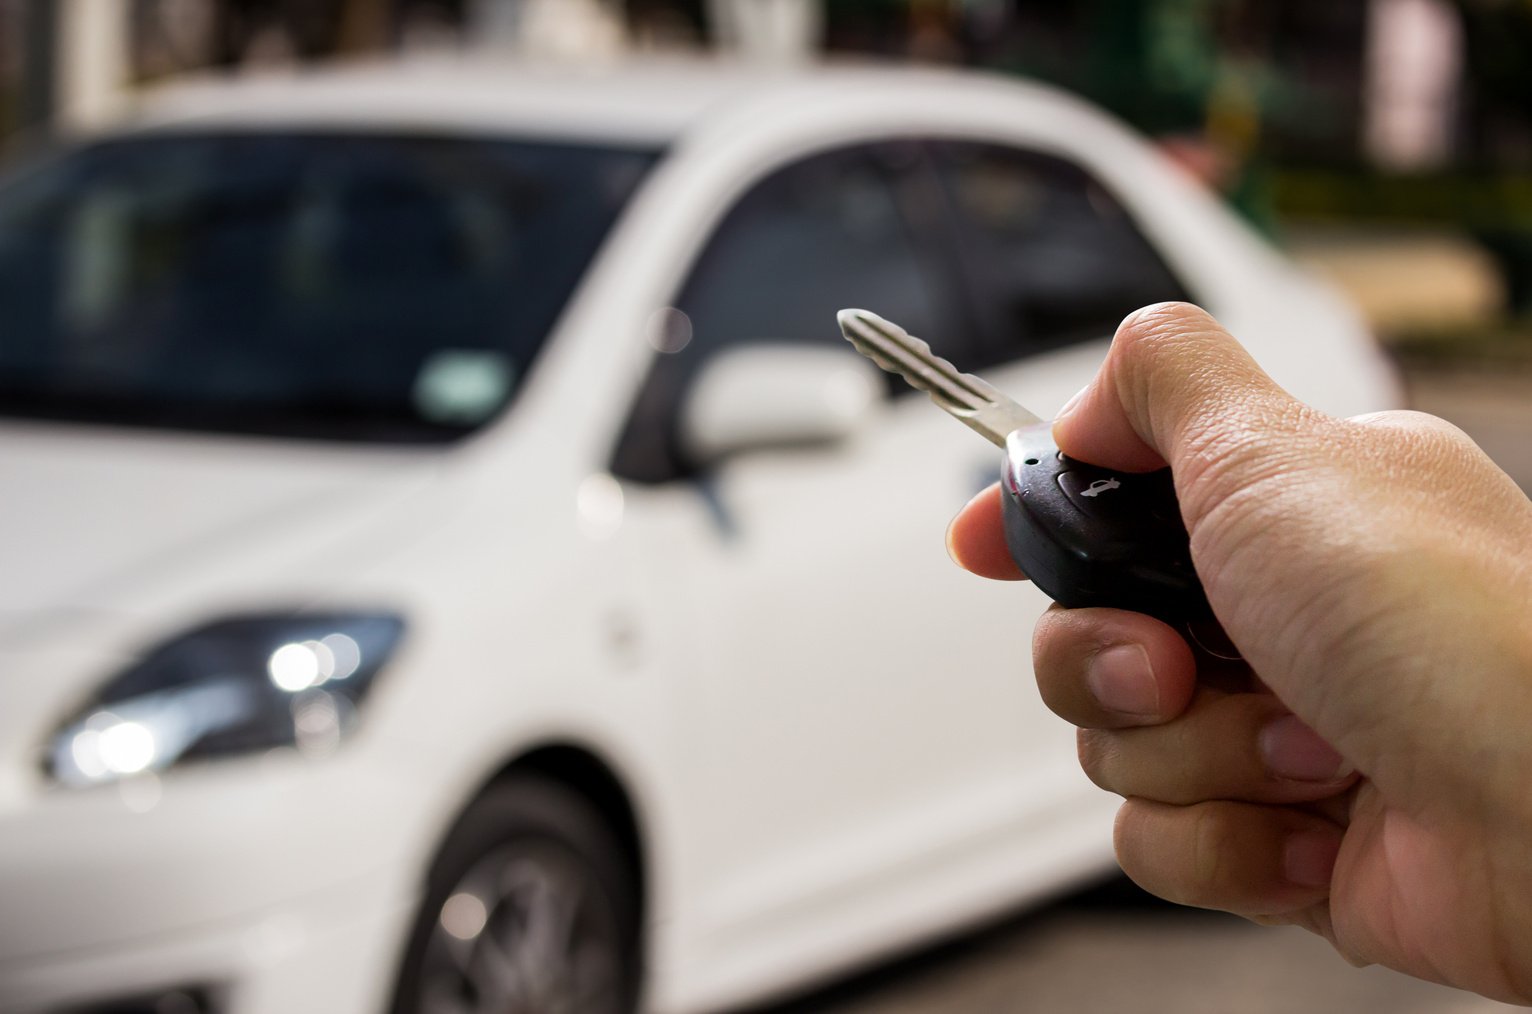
x,y
1364,772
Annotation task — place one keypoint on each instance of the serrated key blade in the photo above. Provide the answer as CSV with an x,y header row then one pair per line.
x,y
971,400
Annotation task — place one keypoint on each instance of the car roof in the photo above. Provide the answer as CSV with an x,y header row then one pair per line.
x,y
645,101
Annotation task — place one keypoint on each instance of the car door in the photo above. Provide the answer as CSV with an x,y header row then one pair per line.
x,y
847,722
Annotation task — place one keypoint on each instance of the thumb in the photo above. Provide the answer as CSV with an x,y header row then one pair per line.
x,y
1174,387
1178,389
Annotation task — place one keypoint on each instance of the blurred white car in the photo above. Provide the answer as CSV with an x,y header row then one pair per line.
x,y
450,561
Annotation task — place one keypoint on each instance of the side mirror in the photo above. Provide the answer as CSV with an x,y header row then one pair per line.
x,y
763,396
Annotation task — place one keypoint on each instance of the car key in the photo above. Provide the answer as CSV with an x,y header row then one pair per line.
x,y
1085,535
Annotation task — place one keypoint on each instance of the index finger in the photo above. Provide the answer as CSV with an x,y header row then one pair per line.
x,y
976,538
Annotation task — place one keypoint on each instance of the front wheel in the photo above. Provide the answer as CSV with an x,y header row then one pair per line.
x,y
530,909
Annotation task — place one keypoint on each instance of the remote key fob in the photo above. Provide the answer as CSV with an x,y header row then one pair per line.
x,y
1090,537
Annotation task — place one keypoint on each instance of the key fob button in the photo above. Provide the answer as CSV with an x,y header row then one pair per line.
x,y
1094,495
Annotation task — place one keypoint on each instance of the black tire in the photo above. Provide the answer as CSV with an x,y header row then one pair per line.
x,y
526,853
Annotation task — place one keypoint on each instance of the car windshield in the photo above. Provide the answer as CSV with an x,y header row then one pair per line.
x,y
337,287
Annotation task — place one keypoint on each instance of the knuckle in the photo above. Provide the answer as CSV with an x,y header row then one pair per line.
x,y
1411,421
1045,640
1124,838
1058,654
1232,727
1051,682
1096,749
1213,858
1425,444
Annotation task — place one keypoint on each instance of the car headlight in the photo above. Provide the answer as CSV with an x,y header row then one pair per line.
x,y
229,687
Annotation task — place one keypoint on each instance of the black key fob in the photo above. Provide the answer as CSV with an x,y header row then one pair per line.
x,y
1090,537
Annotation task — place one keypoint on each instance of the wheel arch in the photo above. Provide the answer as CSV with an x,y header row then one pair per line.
x,y
575,767
588,772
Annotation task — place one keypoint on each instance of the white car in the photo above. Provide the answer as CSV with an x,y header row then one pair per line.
x,y
452,562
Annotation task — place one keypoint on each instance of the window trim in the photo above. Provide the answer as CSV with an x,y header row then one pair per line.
x,y
950,290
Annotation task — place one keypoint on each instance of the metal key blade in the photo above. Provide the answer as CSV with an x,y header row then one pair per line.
x,y
971,400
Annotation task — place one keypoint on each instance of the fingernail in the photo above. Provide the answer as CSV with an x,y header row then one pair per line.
x,y
1072,403
1308,858
1291,749
1121,680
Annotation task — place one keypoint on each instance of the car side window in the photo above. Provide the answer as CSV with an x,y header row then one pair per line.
x,y
821,234
1052,256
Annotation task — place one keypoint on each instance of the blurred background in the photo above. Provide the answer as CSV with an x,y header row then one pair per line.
x,y
1386,145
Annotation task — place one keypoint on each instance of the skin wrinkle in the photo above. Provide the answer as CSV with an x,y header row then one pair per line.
x,y
1093,748
1385,651
1215,460
1184,750
1234,527
1490,881
1140,383
1415,903
1160,333
1390,918
1418,447
1218,467
1364,939
1426,767
1484,772
1234,546
1213,850
1165,761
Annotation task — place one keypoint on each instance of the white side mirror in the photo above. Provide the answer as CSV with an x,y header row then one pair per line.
x,y
760,396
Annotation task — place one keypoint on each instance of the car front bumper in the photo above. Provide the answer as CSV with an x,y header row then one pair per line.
x,y
278,884
333,952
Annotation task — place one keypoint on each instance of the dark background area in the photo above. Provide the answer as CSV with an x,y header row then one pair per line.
x,y
1284,107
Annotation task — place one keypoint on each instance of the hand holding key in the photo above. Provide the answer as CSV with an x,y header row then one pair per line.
x,y
1370,779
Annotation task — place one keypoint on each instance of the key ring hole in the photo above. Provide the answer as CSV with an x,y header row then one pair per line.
x,y
1031,461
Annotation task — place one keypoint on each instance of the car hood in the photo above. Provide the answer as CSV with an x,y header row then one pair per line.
x,y
95,521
